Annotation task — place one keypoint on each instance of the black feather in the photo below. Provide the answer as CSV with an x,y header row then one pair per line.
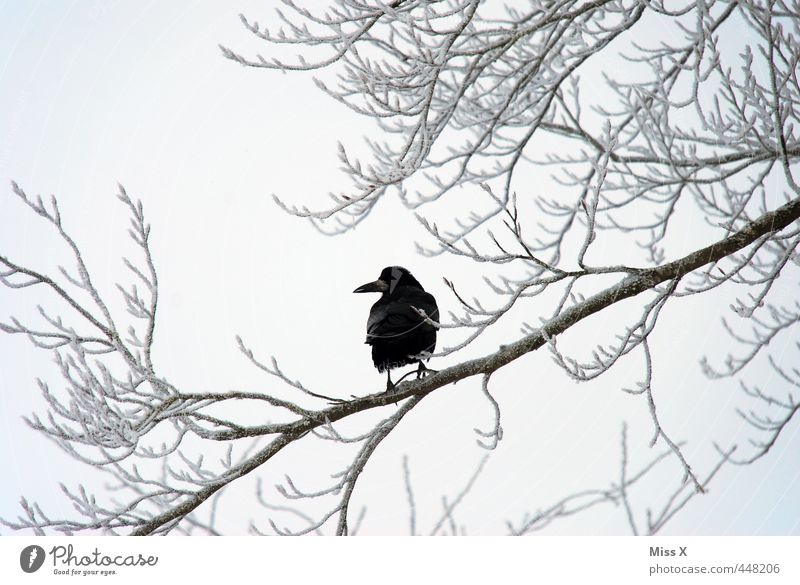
x,y
397,333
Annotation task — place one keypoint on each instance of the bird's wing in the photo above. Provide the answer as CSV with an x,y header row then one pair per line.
x,y
427,303
397,317
390,320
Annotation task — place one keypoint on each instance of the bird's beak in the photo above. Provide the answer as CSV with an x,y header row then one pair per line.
x,y
377,286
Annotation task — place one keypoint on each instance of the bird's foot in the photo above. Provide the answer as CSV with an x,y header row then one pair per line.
x,y
423,371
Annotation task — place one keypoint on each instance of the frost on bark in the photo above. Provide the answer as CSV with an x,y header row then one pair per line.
x,y
598,134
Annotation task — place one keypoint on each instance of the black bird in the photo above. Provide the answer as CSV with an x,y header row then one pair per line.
x,y
397,333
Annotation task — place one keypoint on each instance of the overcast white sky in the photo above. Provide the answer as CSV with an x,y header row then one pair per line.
x,y
96,93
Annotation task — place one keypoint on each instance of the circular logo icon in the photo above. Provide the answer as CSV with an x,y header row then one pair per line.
x,y
31,558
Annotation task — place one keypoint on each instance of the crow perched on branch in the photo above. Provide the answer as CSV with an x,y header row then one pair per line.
x,y
398,334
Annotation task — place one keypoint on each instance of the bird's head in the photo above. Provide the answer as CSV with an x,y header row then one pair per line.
x,y
391,277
